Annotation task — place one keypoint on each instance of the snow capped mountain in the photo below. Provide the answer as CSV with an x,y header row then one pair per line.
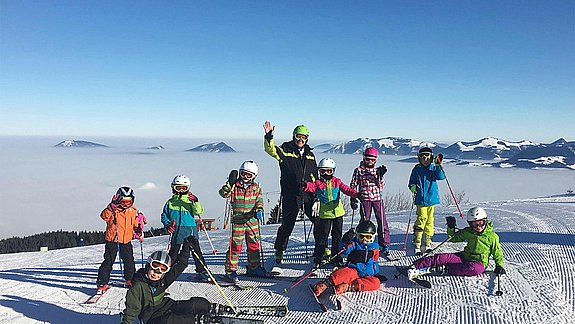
x,y
220,147
385,145
75,143
157,147
559,154
488,148
323,147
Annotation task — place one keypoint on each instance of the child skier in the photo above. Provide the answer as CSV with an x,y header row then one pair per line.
x,y
368,180
178,218
328,189
247,213
423,184
482,243
362,263
147,299
121,220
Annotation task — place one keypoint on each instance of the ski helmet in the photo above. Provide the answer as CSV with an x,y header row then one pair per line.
x,y
249,166
160,257
371,151
326,163
181,181
475,214
126,192
425,150
301,130
366,230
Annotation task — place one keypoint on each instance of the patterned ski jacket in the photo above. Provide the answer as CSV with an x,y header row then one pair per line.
x,y
245,201
182,210
426,178
362,257
126,223
147,299
295,168
328,193
480,245
365,180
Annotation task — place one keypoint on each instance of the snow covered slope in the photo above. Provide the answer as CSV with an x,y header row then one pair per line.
x,y
537,235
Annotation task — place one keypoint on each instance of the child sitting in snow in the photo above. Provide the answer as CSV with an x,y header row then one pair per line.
x,y
328,189
147,299
362,263
247,213
482,243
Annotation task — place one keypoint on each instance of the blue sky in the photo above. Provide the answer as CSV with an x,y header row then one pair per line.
x,y
429,70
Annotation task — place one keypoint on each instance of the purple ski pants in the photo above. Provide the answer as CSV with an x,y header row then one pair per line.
x,y
456,265
379,211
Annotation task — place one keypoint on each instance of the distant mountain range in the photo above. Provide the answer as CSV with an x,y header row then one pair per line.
x,y
220,147
74,143
496,152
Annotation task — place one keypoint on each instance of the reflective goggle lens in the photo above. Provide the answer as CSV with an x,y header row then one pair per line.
x,y
326,171
246,175
478,223
301,137
159,267
365,236
425,155
181,188
369,159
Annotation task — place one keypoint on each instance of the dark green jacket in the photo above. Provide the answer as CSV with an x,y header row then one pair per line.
x,y
146,299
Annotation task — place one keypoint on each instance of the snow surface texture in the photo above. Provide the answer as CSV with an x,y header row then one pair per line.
x,y
537,235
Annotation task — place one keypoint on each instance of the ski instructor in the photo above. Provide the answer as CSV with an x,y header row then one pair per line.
x,y
297,165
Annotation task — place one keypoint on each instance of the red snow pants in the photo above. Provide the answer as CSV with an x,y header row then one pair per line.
x,y
350,276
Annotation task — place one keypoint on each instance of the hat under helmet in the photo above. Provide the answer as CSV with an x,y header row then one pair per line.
x,y
326,163
475,214
370,151
301,130
249,166
160,256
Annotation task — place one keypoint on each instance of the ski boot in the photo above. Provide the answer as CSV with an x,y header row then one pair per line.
x,y
279,255
337,262
203,275
101,289
413,273
321,286
257,272
429,245
384,250
232,277
417,248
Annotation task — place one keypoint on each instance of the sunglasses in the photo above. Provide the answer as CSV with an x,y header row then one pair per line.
x,y
364,236
326,171
246,175
478,223
159,267
300,137
181,188
369,159
425,155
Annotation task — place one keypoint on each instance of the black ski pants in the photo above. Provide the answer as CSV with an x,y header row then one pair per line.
x,y
321,233
290,209
175,250
184,312
110,251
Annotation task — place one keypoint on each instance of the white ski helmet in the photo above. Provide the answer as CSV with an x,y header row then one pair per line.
x,y
249,166
326,163
181,180
161,257
475,214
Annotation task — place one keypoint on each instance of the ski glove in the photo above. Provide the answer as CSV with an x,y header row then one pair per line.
x,y
499,270
451,222
413,188
439,159
348,236
260,216
353,203
192,197
171,227
380,171
233,177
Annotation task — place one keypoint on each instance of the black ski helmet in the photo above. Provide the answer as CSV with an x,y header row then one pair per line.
x,y
366,227
126,192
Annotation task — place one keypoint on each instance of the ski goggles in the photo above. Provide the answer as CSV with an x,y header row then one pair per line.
x,y
365,236
246,175
159,267
478,223
126,202
424,155
369,159
180,188
300,137
326,171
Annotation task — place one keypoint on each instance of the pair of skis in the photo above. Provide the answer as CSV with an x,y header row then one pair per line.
x,y
403,271
94,298
267,311
322,304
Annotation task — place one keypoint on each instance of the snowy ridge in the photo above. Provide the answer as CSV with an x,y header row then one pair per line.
x,y
537,236
76,143
212,147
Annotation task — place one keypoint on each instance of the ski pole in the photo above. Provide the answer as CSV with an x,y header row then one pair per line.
x,y
352,216
426,254
315,269
214,251
228,301
169,243
499,292
304,227
142,253
408,223
452,194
